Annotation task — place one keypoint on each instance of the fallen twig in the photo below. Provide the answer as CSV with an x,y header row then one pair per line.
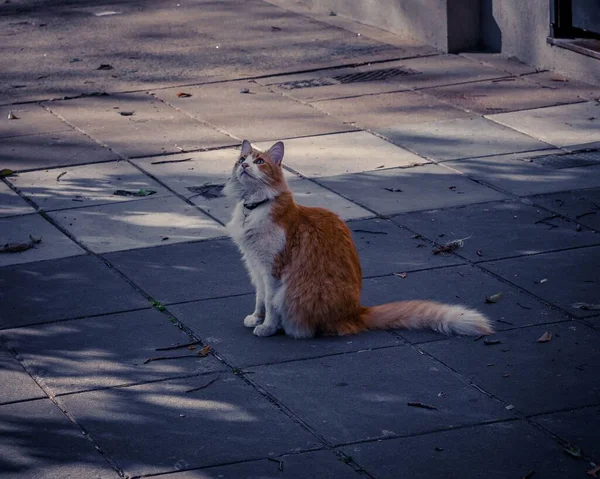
x,y
547,218
164,358
524,307
371,232
61,175
586,214
278,461
169,161
421,405
179,346
204,385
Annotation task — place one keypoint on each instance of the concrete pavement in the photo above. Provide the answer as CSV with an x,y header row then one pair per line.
x,y
121,340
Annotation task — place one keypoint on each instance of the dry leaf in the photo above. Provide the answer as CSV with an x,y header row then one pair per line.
x,y
450,246
12,116
490,342
593,472
393,190
494,298
586,306
204,351
402,275
479,252
184,95
126,113
20,247
105,66
6,172
543,280
544,338
421,405
574,451
245,90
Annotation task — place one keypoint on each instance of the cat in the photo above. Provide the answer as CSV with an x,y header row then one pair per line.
x,y
305,267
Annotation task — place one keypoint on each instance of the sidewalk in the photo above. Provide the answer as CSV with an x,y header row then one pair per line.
x,y
412,147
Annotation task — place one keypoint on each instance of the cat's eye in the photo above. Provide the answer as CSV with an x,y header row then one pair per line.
x,y
241,160
259,161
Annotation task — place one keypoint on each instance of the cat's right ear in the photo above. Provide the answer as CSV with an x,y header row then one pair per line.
x,y
246,148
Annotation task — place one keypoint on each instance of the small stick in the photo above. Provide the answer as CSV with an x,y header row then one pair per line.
x,y
586,214
169,348
169,161
524,307
372,232
507,322
61,175
421,405
164,358
279,461
547,218
204,385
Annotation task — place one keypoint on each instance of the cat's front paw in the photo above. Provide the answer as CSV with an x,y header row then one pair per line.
x,y
252,321
265,330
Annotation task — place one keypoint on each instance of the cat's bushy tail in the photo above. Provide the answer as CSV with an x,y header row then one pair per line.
x,y
445,318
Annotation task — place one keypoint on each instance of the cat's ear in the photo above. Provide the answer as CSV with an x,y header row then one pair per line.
x,y
276,153
246,148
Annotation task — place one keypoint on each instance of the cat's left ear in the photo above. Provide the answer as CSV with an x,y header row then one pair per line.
x,y
276,153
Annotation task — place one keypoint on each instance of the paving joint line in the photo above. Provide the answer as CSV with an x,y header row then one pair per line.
x,y
50,396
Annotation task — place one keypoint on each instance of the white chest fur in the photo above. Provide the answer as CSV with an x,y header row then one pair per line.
x,y
257,236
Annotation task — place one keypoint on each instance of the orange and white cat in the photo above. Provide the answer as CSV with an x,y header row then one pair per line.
x,y
304,265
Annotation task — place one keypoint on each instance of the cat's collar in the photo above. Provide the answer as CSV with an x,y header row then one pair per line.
x,y
252,206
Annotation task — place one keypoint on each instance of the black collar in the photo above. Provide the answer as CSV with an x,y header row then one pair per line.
x,y
251,206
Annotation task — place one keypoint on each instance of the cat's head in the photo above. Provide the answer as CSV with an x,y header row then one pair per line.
x,y
257,175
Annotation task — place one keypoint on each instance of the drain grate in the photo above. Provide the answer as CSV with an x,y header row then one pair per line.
x,y
568,160
373,75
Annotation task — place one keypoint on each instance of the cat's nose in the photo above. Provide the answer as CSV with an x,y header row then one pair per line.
x,y
245,165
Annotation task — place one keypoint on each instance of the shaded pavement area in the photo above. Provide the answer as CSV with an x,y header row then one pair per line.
x,y
122,348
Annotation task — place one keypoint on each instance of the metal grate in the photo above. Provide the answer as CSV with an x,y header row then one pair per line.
x,y
568,160
373,75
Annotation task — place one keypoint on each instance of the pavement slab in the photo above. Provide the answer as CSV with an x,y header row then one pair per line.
x,y
11,204
382,110
258,115
465,285
459,138
461,454
37,440
566,126
17,384
85,185
399,190
105,351
185,272
582,206
576,427
571,277
498,230
66,288
25,229
137,224
31,119
200,176
51,150
386,248
502,95
535,377
521,176
378,384
415,73
502,62
138,124
356,152
560,84
219,322
287,467
227,421
144,53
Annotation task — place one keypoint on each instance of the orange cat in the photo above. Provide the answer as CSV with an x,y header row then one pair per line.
x,y
304,265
